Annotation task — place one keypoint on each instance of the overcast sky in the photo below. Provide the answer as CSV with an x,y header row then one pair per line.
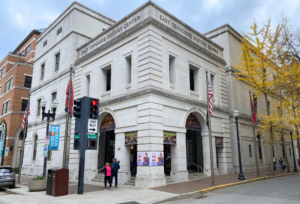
x,y
20,17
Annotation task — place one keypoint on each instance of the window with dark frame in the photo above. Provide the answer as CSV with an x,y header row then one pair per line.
x,y
27,82
34,148
57,58
108,80
27,51
11,83
0,90
5,108
44,43
192,81
268,107
1,72
59,30
38,107
250,151
7,86
42,71
24,104
259,147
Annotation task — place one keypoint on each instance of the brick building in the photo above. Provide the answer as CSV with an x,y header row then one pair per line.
x,y
15,82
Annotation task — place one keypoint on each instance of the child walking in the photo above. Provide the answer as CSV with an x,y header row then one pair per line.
x,y
107,176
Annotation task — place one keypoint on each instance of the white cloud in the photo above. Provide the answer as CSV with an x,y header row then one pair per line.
x,y
210,3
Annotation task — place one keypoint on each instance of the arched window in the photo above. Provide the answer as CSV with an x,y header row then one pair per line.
x,y
34,147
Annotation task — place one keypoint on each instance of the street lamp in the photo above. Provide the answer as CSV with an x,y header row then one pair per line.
x,y
295,167
236,115
48,116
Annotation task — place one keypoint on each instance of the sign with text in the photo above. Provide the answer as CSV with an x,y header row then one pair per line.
x,y
219,141
130,138
77,136
92,136
157,158
6,151
54,137
169,138
45,151
92,125
143,159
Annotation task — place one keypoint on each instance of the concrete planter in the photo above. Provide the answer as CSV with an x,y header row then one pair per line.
x,y
37,185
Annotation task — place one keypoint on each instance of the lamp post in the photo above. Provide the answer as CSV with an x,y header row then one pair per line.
x,y
236,115
295,167
48,116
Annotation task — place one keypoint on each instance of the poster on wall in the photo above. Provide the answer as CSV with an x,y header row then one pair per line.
x,y
169,138
143,159
2,137
1,148
219,141
130,138
54,137
157,158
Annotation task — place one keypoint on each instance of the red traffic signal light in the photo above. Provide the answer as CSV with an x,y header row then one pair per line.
x,y
94,102
94,108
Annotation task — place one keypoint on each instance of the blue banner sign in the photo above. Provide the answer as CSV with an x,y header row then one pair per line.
x,y
54,137
1,148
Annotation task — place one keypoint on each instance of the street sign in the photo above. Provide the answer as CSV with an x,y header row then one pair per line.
x,y
6,151
77,136
92,136
92,126
45,152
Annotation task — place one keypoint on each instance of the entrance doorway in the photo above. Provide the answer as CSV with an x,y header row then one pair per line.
x,y
194,148
133,166
106,141
167,158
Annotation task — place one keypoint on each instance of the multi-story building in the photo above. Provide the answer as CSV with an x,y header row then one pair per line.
x,y
15,83
149,72
55,51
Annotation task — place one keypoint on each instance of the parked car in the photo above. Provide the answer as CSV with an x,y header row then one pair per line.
x,y
7,177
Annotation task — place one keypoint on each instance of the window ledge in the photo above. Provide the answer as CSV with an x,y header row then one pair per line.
x,y
128,87
106,95
194,94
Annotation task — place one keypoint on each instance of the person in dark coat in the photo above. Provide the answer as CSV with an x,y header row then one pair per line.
x,y
114,169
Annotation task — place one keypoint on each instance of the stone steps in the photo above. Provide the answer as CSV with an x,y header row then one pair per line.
x,y
131,181
196,176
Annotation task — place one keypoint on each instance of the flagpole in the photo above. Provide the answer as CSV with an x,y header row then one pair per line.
x,y
254,135
23,142
67,120
210,138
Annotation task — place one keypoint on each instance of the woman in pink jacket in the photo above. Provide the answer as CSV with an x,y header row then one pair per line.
x,y
107,176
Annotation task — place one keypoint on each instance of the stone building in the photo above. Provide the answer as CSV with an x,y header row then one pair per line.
x,y
238,97
149,72
15,83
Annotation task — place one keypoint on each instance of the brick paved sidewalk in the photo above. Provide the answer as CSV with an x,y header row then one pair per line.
x,y
191,186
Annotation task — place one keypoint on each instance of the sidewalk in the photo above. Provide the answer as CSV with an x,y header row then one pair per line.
x,y
196,185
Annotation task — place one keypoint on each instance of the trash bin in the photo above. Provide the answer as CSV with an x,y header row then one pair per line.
x,y
60,182
49,182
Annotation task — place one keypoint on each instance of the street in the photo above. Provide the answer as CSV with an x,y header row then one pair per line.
x,y
276,190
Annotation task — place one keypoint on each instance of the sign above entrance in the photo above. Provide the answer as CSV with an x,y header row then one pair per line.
x,y
130,138
92,125
192,123
169,138
108,123
219,141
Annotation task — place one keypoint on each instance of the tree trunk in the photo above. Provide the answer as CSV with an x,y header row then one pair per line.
x,y
271,137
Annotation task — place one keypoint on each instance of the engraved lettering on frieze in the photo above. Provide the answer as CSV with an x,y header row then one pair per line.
x,y
200,41
182,30
164,19
126,25
212,49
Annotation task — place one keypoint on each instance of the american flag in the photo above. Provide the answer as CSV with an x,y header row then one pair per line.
x,y
27,110
210,95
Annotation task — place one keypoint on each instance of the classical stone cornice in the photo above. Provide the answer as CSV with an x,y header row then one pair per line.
x,y
140,25
158,91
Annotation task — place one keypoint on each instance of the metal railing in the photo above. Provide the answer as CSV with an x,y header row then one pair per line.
x,y
15,53
101,170
196,166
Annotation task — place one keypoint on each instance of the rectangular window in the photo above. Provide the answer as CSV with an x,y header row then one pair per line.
x,y
108,80
38,107
54,94
212,83
172,69
128,69
290,152
45,43
59,30
5,107
24,104
268,108
27,50
3,72
7,86
57,57
42,71
250,151
28,80
87,85
49,155
11,83
259,147
0,90
192,82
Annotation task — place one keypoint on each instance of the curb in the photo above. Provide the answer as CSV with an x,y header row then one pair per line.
x,y
194,194
242,182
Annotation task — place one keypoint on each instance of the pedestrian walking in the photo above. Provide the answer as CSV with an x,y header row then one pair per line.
x,y
131,161
115,168
281,164
274,163
107,176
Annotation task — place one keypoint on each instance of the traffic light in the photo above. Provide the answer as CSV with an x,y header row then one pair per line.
x,y
77,108
94,108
